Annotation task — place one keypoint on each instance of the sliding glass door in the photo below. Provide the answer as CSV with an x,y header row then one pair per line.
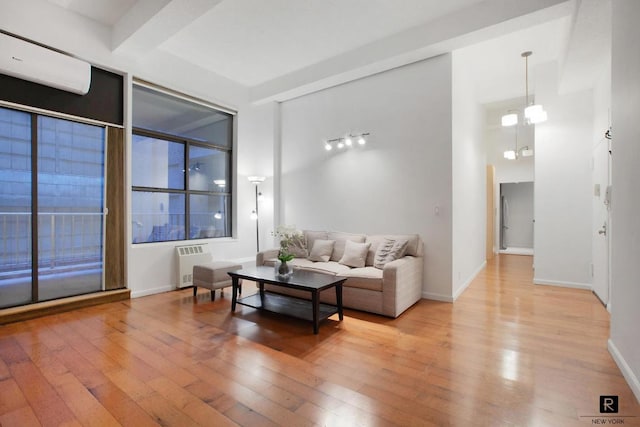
x,y
51,170
15,208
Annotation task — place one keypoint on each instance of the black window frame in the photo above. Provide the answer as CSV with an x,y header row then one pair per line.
x,y
187,192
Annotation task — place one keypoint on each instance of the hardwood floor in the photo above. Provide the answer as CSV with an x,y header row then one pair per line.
x,y
506,353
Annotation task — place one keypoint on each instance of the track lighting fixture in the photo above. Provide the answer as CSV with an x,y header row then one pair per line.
x,y
346,141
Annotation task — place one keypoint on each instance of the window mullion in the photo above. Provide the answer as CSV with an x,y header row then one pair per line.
x,y
34,209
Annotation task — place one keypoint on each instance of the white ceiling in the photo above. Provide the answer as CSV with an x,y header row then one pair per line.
x,y
253,41
262,43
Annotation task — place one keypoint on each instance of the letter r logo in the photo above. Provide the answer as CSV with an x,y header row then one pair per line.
x,y
608,404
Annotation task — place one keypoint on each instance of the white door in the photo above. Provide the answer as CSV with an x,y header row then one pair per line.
x,y
600,222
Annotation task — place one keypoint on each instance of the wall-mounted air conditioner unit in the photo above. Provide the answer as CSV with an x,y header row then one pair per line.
x,y
188,256
29,61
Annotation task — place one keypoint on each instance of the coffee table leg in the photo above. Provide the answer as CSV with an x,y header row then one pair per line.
x,y
339,300
234,292
315,298
261,285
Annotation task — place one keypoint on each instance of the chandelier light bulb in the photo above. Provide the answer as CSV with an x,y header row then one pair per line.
x,y
254,215
218,215
361,140
327,146
348,141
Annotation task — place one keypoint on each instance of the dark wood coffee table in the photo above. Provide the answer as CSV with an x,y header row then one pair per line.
x,y
296,307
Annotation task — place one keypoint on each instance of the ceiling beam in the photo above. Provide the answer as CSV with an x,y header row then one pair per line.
x,y
149,23
588,51
483,21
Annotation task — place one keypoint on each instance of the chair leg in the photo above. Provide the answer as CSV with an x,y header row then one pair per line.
x,y
195,290
213,295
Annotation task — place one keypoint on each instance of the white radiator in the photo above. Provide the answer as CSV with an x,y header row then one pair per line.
x,y
188,256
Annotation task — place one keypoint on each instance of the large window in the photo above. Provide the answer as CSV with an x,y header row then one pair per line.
x,y
181,168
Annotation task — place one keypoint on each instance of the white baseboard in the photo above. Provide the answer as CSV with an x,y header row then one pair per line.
x,y
466,284
437,297
517,251
146,292
628,374
575,285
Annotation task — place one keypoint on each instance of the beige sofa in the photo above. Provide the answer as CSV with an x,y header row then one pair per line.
x,y
388,291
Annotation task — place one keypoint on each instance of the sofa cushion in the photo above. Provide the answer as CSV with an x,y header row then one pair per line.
x,y
355,254
413,247
300,263
321,250
330,267
389,251
311,236
364,278
340,239
298,246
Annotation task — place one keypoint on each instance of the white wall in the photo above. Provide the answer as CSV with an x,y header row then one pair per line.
x,y
397,182
257,130
624,343
469,196
562,235
151,267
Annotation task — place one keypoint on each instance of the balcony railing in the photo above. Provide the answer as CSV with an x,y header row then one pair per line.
x,y
162,227
65,239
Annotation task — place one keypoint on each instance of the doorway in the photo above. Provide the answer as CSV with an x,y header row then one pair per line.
x,y
516,218
600,220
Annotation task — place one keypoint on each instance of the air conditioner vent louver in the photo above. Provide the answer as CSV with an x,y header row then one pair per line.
x,y
187,256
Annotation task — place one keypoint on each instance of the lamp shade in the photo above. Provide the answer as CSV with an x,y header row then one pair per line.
x,y
535,113
256,179
510,119
510,155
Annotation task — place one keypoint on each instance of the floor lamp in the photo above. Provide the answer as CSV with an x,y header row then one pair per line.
x,y
256,180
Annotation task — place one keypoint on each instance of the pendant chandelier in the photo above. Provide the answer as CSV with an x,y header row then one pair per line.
x,y
533,113
518,152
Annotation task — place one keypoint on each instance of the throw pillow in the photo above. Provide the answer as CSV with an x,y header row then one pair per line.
x,y
355,254
298,246
321,250
389,251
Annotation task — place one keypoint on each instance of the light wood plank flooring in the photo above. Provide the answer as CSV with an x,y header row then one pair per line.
x,y
506,353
